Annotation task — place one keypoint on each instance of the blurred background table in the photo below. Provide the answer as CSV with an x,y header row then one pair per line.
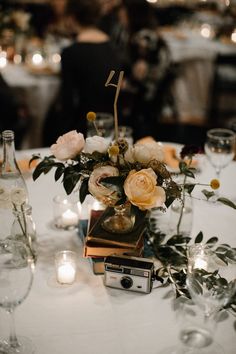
x,y
37,90
196,56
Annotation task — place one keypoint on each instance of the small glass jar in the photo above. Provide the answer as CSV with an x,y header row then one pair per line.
x,y
66,211
23,228
66,266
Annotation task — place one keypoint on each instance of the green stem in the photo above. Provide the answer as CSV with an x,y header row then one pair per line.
x,y
24,228
183,201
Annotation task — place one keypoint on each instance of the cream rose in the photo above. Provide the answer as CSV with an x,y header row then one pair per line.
x,y
99,191
96,143
144,153
68,145
141,189
129,155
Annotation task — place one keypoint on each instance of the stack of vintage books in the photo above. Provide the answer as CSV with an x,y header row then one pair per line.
x,y
99,243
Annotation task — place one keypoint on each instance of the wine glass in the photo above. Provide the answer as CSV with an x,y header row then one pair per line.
x,y
16,277
219,148
104,125
211,284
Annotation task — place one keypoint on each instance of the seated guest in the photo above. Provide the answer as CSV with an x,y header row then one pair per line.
x,y
51,19
85,66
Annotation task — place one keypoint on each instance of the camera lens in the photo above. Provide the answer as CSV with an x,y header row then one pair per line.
x,y
126,282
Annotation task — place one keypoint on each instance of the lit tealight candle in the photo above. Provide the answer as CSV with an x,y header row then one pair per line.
x,y
66,274
66,212
206,30
65,262
69,218
37,59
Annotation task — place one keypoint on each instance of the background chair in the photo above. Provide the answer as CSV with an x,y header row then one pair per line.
x,y
222,105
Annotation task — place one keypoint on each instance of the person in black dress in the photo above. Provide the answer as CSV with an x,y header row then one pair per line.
x,y
85,66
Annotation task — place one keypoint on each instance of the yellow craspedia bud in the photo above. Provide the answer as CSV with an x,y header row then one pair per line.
x,y
215,184
114,150
91,116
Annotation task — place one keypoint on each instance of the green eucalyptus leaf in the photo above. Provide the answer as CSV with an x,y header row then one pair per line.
x,y
208,194
37,172
59,172
83,190
182,166
222,257
33,158
212,240
114,183
227,202
231,254
169,201
189,187
199,237
189,173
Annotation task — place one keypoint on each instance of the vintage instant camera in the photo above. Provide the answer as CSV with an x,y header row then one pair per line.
x,y
129,273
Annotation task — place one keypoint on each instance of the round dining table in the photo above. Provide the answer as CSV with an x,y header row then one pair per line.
x,y
87,317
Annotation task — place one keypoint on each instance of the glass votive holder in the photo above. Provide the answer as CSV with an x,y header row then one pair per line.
x,y
66,211
66,266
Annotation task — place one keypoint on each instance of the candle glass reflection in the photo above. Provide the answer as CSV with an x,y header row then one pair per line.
x,y
66,266
66,212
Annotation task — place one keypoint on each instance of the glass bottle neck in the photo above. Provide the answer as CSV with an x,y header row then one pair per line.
x,y
9,164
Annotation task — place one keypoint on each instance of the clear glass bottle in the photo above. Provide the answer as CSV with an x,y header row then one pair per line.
x,y
23,228
11,176
11,183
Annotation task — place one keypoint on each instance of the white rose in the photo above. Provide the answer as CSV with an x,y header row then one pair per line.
x,y
144,153
96,143
99,191
68,145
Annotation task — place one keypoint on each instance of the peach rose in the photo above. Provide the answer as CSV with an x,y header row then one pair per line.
x,y
141,189
68,145
99,191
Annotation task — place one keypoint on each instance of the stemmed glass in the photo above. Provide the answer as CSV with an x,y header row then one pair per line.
x,y
219,148
16,277
211,284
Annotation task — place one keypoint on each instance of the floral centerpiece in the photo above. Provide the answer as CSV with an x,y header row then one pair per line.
x,y
119,175
116,173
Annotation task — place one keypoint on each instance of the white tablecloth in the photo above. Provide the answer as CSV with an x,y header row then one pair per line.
x,y
89,318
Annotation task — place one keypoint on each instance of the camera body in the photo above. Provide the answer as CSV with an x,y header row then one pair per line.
x,y
129,273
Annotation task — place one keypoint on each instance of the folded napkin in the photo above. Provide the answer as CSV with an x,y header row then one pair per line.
x,y
24,165
171,158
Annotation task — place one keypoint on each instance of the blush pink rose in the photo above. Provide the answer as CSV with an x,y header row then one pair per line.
x,y
68,145
99,191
